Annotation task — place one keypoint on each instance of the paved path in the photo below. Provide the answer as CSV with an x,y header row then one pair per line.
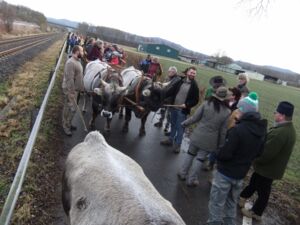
x,y
160,165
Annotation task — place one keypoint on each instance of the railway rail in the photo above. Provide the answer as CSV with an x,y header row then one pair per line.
x,y
15,52
18,45
18,39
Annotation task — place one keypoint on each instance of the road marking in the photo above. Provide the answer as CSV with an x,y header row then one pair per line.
x,y
247,220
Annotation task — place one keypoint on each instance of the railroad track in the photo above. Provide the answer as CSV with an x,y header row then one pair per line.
x,y
20,47
18,39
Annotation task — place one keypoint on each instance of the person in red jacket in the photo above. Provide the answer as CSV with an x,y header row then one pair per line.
x,y
155,70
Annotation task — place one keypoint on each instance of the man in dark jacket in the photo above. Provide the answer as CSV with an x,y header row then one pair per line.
x,y
243,144
273,162
185,95
172,78
144,64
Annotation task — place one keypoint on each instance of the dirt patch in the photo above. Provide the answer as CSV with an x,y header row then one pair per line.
x,y
283,208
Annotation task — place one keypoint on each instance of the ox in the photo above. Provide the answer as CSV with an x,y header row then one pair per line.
x,y
143,96
105,84
103,186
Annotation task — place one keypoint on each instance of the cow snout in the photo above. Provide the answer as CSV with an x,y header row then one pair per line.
x,y
106,114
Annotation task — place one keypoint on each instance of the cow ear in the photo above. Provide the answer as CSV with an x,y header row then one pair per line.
x,y
146,92
98,91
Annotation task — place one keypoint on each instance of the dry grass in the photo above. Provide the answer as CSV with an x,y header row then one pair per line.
x,y
27,90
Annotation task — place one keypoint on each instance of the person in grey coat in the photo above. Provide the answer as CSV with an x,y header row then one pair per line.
x,y
72,84
209,134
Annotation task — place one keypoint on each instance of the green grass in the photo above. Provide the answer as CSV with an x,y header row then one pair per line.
x,y
269,96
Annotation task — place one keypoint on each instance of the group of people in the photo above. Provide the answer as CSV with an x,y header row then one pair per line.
x,y
106,52
96,49
151,68
229,129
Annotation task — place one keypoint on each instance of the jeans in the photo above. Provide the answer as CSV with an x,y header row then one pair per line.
x,y
223,200
212,158
177,117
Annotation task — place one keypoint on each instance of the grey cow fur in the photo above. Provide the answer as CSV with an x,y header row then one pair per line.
x,y
102,186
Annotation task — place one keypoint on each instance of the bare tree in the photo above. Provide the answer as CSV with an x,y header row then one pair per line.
x,y
9,13
256,7
83,28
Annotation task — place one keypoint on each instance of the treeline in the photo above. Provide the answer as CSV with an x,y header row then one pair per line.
x,y
128,39
10,13
125,38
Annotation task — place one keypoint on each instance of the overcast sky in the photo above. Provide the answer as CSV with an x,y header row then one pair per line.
x,y
206,26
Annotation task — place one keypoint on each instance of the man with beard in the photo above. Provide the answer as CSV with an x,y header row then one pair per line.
x,y
72,84
185,95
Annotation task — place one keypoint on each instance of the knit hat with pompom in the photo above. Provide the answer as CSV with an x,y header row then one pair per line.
x,y
249,103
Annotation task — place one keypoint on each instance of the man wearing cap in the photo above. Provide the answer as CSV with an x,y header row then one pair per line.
x,y
273,161
244,142
209,134
215,82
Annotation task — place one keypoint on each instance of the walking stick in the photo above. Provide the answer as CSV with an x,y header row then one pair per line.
x,y
80,115
136,105
175,106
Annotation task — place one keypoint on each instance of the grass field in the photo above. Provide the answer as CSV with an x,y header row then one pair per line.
x,y
269,96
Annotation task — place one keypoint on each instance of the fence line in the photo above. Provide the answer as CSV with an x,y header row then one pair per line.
x,y
16,186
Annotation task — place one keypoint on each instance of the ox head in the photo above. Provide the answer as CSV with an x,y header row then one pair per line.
x,y
152,95
110,92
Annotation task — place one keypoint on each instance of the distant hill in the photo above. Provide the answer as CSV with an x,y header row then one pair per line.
x,y
63,22
282,74
125,38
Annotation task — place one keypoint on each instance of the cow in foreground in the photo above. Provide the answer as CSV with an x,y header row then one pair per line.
x,y
102,186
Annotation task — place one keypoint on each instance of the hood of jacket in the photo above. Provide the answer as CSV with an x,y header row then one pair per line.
x,y
254,123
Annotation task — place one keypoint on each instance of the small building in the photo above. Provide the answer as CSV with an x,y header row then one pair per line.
x,y
159,49
212,63
271,78
230,68
255,75
189,59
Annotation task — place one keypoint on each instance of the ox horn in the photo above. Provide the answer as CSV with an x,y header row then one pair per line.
x,y
105,84
121,88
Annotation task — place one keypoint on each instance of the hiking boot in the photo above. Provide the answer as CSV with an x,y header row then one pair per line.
x,y
250,214
208,167
158,124
67,132
242,202
166,128
181,176
176,149
167,133
166,142
192,183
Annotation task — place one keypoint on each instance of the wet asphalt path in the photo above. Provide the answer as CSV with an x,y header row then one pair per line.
x,y
159,163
